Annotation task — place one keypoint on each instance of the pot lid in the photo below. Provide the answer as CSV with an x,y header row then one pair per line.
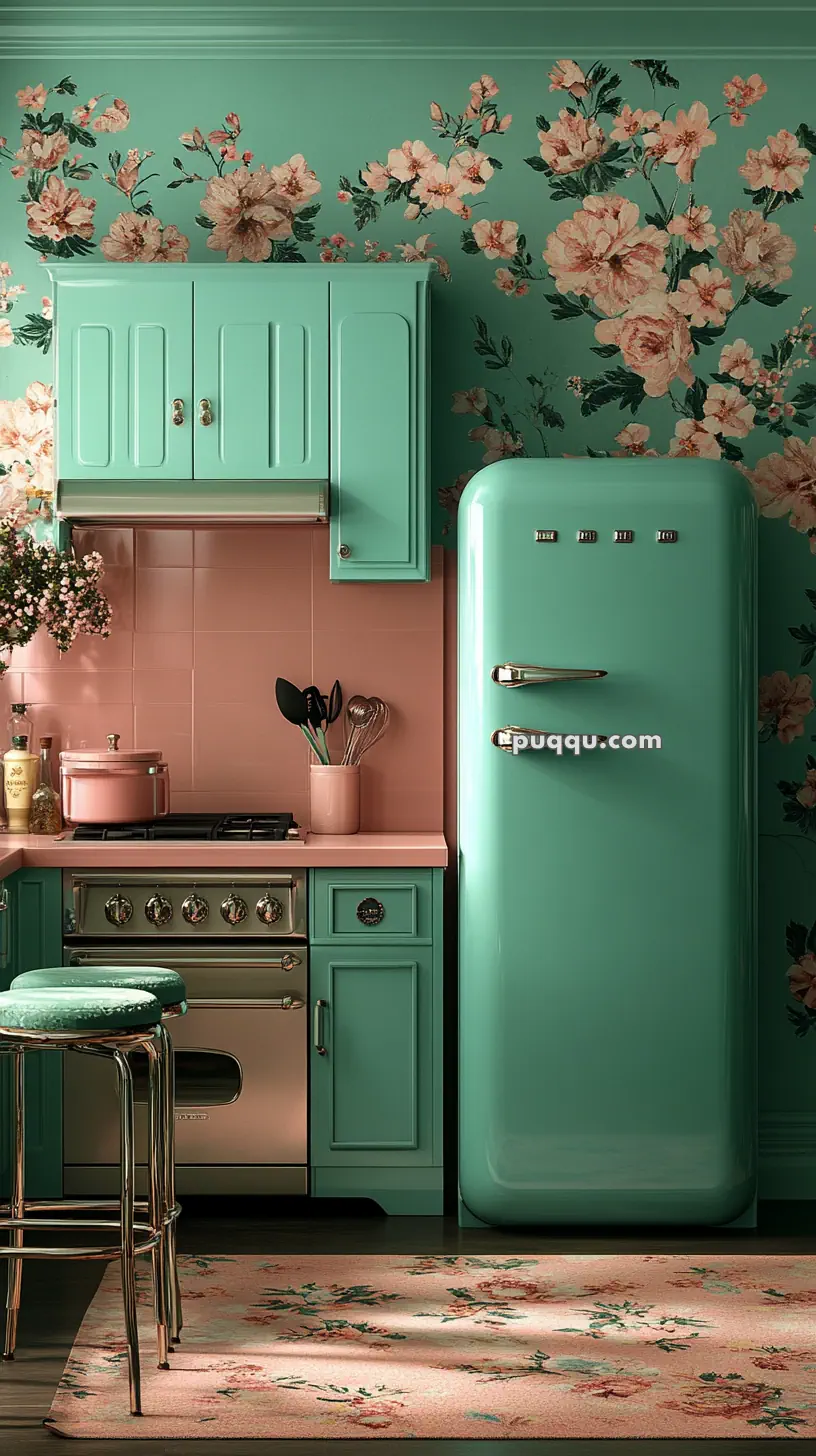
x,y
110,757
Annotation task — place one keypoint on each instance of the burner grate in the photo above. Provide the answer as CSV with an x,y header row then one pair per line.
x,y
243,827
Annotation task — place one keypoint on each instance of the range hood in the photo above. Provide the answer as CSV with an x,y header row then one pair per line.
x,y
192,502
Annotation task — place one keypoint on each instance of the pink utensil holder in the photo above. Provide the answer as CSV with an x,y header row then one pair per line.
x,y
334,798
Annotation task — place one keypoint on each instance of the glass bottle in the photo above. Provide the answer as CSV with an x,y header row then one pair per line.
x,y
19,778
46,812
19,724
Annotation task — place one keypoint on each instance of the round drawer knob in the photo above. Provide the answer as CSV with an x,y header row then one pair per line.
x,y
118,910
158,910
344,552
195,909
268,909
370,911
233,909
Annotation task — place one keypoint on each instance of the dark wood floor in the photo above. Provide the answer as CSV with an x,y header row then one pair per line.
x,y
55,1296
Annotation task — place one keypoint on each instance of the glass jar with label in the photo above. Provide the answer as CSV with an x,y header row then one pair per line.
x,y
46,811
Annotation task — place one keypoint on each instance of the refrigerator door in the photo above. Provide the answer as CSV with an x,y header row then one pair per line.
x,y
607,983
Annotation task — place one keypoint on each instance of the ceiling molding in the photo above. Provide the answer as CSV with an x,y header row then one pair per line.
x,y
731,32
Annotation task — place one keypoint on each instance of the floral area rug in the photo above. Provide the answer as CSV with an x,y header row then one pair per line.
x,y
461,1346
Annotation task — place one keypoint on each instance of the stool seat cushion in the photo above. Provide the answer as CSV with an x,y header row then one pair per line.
x,y
77,1009
167,986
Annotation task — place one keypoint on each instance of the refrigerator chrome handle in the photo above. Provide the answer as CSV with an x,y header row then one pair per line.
x,y
524,674
503,737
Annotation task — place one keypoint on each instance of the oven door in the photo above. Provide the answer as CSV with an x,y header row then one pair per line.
x,y
241,1074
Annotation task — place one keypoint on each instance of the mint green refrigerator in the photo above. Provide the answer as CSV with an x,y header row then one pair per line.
x,y
607,729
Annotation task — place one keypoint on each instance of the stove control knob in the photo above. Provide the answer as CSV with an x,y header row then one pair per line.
x,y
158,910
268,909
118,909
195,909
233,909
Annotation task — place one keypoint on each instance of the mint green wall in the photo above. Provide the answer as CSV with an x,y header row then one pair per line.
x,y
342,114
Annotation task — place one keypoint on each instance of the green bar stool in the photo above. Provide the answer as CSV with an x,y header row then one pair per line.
x,y
112,1023
170,991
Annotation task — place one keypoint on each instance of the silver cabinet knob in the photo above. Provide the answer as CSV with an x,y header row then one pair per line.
x,y
344,552
268,909
233,909
195,909
158,910
118,909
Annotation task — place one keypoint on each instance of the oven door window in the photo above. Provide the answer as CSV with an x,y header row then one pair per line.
x,y
203,1078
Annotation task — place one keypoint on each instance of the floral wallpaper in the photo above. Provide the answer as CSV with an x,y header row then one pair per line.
x,y
624,259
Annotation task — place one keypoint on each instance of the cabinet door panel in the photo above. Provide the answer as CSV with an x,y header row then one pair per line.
x,y
123,354
261,359
372,1091
379,513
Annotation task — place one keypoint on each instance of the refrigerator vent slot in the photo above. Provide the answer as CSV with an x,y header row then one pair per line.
x,y
625,536
546,535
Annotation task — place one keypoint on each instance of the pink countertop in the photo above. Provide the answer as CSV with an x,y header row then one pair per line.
x,y
317,851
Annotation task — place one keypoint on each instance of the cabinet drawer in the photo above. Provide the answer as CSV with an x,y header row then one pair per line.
x,y
374,905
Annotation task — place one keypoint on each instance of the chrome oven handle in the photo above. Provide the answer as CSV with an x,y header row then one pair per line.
x,y
317,1029
269,1003
522,674
79,891
285,962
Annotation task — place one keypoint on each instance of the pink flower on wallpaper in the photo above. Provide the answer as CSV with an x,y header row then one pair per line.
x,y
654,339
781,165
694,227
739,95
41,151
705,296
23,431
633,439
473,168
375,176
738,360
727,411
785,484
510,283
128,174
247,211
39,398
114,118
135,239
802,975
449,496
498,444
603,253
567,76
680,142
480,91
6,334
442,187
691,438
295,182
571,143
756,249
629,123
469,401
61,212
412,159
32,98
496,239
784,703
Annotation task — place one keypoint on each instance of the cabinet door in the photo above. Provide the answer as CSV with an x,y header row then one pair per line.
x,y
262,362
379,512
33,937
124,353
373,1062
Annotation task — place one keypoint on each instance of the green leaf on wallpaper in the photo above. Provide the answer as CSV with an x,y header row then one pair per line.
x,y
807,136
806,635
730,451
494,162
365,210
705,334
811,939
36,330
804,398
771,297
605,351
616,384
537,163
542,123
765,197
469,243
657,219
203,222
803,1019
658,73
72,247
78,135
563,307
690,259
65,87
695,399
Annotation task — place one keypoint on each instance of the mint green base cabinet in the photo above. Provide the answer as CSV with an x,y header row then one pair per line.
x,y
376,1055
33,937
379,513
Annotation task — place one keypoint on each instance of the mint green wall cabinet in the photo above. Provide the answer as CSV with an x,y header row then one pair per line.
x,y
379,513
123,355
261,358
376,1056
33,937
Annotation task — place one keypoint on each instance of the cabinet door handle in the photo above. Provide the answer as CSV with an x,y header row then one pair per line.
x,y
317,1028
178,412
206,416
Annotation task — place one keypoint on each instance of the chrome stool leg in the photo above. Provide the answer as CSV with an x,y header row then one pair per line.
x,y
16,1205
128,1261
157,1102
174,1291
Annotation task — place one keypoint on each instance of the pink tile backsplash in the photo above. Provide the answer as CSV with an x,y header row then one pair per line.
x,y
205,621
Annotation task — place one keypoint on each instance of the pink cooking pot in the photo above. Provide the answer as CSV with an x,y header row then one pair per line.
x,y
111,787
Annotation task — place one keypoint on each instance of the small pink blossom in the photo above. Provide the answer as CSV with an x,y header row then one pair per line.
x,y
32,98
17,172
437,114
694,228
411,160
781,165
498,444
114,118
802,979
692,438
705,296
727,411
343,196
295,182
738,360
376,177
630,122
496,239
741,94
683,139
571,143
567,76
6,334
480,91
509,283
785,484
633,438
469,401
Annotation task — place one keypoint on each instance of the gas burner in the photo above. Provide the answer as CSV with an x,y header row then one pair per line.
x,y
269,827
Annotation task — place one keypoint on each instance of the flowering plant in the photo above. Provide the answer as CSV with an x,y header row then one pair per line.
x,y
43,587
